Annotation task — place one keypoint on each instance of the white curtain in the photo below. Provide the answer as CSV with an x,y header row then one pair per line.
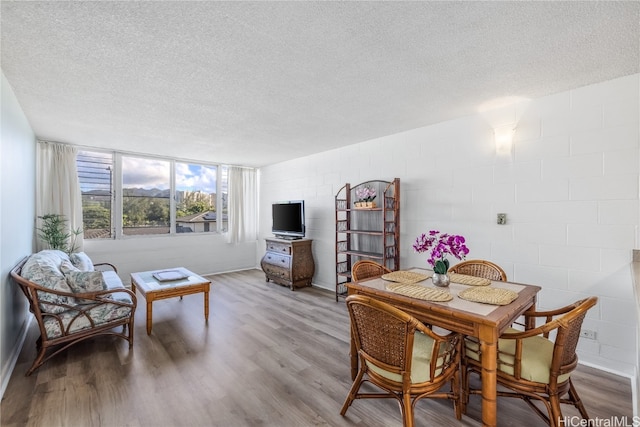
x,y
242,205
58,187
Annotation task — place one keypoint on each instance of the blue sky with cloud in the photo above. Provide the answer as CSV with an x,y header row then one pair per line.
x,y
153,173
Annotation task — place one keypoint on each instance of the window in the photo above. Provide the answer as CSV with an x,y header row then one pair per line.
x,y
196,198
146,196
154,196
95,173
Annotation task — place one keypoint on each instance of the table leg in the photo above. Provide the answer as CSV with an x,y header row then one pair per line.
x,y
489,352
149,315
530,321
206,306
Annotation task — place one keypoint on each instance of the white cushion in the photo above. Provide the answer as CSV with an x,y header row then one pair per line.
x,y
81,261
112,281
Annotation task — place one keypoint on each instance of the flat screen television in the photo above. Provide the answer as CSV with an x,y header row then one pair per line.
x,y
288,219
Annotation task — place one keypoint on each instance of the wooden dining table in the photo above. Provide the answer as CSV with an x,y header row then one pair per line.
x,y
484,321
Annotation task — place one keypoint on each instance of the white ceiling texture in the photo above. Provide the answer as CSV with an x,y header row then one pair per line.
x,y
255,83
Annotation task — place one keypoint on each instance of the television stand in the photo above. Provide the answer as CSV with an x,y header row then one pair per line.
x,y
288,237
288,262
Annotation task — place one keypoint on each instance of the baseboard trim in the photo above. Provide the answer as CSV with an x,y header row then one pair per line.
x,y
608,370
633,379
7,370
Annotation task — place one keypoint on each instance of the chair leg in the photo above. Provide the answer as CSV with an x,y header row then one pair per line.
x,y
555,416
407,410
457,396
546,416
39,358
464,388
575,399
352,392
464,384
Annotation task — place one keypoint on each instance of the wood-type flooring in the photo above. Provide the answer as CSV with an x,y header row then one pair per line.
x,y
267,357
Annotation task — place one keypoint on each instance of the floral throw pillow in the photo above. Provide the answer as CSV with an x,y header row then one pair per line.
x,y
85,281
81,261
66,267
43,268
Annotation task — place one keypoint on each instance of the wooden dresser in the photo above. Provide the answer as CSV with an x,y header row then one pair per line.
x,y
289,262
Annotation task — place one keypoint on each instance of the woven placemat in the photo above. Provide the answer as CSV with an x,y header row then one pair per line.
x,y
420,292
489,295
405,277
465,279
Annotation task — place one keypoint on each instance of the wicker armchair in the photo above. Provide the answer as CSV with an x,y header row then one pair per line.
x,y
536,364
65,318
480,268
401,356
364,269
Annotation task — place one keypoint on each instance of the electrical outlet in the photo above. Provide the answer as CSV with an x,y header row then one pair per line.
x,y
588,334
502,218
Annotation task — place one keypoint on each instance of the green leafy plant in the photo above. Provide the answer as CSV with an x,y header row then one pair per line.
x,y
56,234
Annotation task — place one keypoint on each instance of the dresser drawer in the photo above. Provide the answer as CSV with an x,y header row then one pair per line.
x,y
275,272
283,248
273,258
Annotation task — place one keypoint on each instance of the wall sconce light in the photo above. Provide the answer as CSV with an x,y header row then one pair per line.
x,y
503,136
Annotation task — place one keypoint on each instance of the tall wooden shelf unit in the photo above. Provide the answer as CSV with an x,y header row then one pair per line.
x,y
367,233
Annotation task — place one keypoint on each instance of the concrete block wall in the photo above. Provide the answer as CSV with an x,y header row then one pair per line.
x,y
569,188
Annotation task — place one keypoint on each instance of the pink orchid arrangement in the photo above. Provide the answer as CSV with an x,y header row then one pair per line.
x,y
440,245
365,194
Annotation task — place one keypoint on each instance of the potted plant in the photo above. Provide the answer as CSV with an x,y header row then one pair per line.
x,y
440,245
56,234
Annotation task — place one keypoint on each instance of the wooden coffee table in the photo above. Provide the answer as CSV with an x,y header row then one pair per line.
x,y
169,283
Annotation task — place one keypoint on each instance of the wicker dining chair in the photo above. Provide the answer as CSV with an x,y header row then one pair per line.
x,y
536,364
401,356
365,269
480,268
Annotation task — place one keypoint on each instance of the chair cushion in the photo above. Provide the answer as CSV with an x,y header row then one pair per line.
x,y
82,261
67,266
85,281
420,361
112,281
537,353
100,314
43,268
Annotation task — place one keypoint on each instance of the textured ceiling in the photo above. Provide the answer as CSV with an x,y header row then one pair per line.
x,y
254,83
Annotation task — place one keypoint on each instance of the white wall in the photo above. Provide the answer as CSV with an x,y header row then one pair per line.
x,y
17,211
570,190
201,253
